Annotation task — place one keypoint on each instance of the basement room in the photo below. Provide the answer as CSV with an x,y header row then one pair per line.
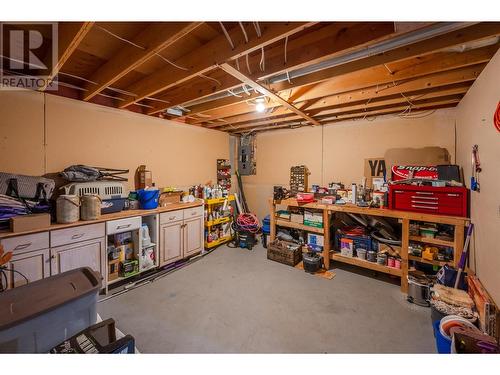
x,y
211,181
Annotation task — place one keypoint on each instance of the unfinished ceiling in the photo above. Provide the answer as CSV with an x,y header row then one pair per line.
x,y
243,77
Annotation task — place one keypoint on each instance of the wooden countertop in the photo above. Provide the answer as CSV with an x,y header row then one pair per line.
x,y
108,217
351,208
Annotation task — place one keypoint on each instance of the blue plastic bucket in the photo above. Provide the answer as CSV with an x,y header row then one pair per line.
x,y
443,344
148,199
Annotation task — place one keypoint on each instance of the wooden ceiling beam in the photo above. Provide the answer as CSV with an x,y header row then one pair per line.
x,y
70,35
453,93
307,49
359,115
432,45
271,95
206,58
435,80
154,38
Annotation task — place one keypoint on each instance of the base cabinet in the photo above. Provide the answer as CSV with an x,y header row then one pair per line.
x,y
171,242
181,239
193,236
34,265
91,253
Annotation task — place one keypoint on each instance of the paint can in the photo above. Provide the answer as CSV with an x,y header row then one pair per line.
x,y
361,253
67,209
382,259
397,263
371,256
391,261
90,207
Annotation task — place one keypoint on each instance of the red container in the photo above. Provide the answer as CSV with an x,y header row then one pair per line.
x,y
451,201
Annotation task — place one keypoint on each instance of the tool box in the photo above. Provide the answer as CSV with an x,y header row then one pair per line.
x,y
450,201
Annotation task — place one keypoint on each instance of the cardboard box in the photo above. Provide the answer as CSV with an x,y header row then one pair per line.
x,y
24,223
315,239
297,218
313,219
169,198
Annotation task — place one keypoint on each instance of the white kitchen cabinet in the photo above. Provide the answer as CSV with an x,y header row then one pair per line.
x,y
34,265
171,240
193,236
181,238
91,253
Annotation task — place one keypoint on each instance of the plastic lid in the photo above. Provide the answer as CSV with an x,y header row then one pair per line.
x,y
37,298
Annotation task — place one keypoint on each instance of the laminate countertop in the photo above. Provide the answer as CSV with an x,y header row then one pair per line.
x,y
107,217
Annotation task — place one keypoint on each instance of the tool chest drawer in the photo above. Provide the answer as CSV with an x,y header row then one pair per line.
x,y
123,225
29,242
76,234
170,217
193,212
429,199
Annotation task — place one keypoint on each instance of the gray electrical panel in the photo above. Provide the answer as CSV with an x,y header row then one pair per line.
x,y
246,155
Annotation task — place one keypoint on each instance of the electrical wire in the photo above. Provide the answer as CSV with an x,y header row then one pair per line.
x,y
244,32
248,65
237,63
119,37
262,63
257,28
233,94
227,35
286,44
15,271
210,78
170,62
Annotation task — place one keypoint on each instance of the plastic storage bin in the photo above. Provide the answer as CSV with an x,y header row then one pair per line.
x,y
443,344
37,316
148,198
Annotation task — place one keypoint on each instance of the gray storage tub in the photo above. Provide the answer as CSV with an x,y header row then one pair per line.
x,y
37,316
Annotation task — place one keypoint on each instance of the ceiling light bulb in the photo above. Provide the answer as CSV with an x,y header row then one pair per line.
x,y
260,107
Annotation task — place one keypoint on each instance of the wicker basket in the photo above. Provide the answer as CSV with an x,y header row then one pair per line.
x,y
280,251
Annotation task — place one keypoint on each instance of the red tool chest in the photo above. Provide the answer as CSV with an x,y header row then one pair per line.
x,y
429,199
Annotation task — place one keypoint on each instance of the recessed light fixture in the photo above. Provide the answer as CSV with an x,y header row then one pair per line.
x,y
260,106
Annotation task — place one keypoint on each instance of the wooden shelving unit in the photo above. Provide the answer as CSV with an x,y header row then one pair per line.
x,y
291,224
404,218
432,262
366,264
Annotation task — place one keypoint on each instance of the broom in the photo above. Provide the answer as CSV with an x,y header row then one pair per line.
x,y
463,258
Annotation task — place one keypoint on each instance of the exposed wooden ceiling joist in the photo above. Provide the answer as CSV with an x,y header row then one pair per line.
x,y
452,39
153,39
367,85
393,100
271,95
207,57
71,35
315,46
376,112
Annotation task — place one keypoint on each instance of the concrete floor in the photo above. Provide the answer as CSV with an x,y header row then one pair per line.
x,y
237,301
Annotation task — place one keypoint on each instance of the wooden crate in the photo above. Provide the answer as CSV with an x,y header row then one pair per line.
x,y
279,252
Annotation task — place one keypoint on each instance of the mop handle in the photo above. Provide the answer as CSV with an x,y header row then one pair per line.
x,y
463,258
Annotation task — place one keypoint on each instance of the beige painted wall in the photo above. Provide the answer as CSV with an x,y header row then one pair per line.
x,y
337,152
81,133
475,126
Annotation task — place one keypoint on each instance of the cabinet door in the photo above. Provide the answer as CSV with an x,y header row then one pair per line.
x,y
90,253
170,242
35,265
193,236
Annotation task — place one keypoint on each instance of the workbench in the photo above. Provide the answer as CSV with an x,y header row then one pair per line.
x,y
403,217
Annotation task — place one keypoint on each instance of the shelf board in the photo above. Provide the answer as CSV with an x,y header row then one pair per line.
x,y
290,224
220,241
218,200
433,262
365,264
433,241
220,220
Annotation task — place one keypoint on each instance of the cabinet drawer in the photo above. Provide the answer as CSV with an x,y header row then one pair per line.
x,y
123,225
76,234
193,212
26,243
170,217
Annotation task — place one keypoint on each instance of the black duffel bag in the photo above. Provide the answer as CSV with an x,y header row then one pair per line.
x,y
33,188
